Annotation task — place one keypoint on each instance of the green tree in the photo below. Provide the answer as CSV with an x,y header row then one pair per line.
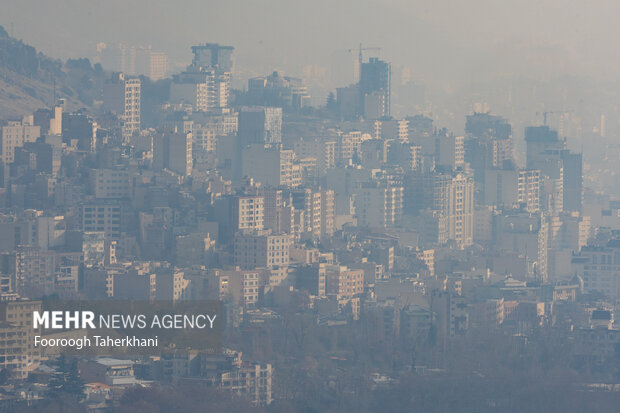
x,y
66,380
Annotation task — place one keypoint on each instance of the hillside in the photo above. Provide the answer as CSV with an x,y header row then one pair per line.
x,y
27,79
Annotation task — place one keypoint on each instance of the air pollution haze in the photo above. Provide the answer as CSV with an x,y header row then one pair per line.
x,y
444,41
451,48
309,206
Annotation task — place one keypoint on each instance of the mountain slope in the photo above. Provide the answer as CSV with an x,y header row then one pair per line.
x,y
30,80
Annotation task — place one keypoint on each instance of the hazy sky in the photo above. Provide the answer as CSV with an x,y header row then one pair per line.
x,y
434,37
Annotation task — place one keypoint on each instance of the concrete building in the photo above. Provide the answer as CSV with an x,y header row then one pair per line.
x,y
260,125
348,147
270,165
111,183
599,268
392,129
106,217
275,90
344,282
560,170
248,212
376,84
158,66
135,285
261,249
324,150
206,90
461,210
318,208
447,204
241,287
170,285
450,151
526,234
488,145
79,127
122,96
213,55
312,278
513,188
15,134
205,85
528,190
180,154
173,150
378,205
193,249
17,351
94,249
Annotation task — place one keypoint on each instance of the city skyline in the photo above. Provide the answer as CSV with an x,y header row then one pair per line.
x,y
386,206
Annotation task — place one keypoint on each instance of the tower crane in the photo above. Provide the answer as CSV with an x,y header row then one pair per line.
x,y
552,112
360,59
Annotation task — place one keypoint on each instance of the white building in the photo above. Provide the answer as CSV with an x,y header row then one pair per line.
x,y
15,134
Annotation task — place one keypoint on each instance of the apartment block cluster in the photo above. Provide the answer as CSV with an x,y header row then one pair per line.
x,y
258,203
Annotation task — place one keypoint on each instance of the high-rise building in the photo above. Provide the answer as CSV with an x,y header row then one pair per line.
x,y
328,212
80,127
560,170
18,354
204,91
526,234
541,142
205,85
288,93
248,212
511,188
213,56
158,66
259,125
488,144
375,81
309,201
461,210
122,96
348,147
449,151
378,205
318,208
173,150
279,211
131,115
573,180
528,190
180,155
446,201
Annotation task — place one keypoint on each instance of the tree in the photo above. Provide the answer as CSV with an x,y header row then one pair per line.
x,y
66,380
